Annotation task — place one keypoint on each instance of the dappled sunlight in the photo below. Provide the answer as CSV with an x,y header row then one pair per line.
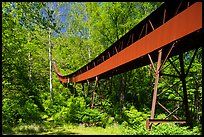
x,y
102,68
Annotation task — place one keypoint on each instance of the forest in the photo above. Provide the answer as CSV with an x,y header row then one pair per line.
x,y
71,34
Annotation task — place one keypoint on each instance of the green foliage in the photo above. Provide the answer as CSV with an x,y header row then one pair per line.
x,y
15,112
134,117
170,129
75,111
24,78
71,111
9,112
161,129
93,117
30,111
90,28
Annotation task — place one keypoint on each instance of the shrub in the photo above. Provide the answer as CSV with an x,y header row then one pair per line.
x,y
10,112
161,129
110,121
92,117
170,129
134,117
30,112
71,112
15,113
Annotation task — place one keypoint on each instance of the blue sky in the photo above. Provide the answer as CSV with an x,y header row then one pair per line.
x,y
63,10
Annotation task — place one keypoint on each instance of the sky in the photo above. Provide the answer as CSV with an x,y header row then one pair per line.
x,y
63,10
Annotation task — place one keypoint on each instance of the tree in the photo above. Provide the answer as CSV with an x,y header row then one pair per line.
x,y
22,36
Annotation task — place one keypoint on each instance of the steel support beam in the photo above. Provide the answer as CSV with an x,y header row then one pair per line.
x,y
82,85
166,121
182,76
183,80
172,28
167,56
156,85
158,121
183,24
94,92
187,23
170,86
168,111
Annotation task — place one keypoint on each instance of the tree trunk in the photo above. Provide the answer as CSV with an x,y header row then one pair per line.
x,y
29,59
30,66
50,58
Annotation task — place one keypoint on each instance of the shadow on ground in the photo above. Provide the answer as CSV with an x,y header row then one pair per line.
x,y
37,131
59,131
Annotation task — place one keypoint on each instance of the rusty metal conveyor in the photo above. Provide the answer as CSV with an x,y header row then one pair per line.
x,y
171,22
172,29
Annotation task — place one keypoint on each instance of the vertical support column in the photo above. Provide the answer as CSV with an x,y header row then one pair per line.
x,y
183,80
88,88
148,126
74,88
93,93
82,84
156,85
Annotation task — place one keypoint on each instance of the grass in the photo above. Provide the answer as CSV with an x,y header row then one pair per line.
x,y
70,129
66,129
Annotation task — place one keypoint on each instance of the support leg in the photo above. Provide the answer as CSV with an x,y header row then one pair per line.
x,y
93,93
183,80
148,125
82,84
156,85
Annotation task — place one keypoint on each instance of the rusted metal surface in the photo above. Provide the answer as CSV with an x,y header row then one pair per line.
x,y
181,25
184,97
171,30
156,85
167,110
63,79
170,86
171,113
167,55
184,23
174,66
94,92
182,76
152,64
149,122
166,121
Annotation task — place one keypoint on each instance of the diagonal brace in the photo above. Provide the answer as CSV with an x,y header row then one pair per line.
x,y
167,110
